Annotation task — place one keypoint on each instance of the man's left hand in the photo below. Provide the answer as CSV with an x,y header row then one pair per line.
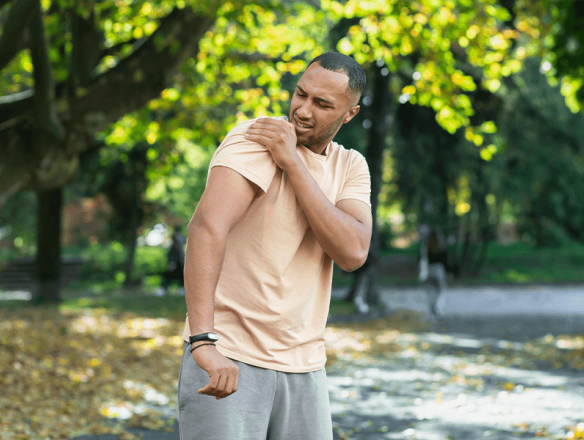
x,y
278,136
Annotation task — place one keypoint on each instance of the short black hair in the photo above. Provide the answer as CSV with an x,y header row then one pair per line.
x,y
337,62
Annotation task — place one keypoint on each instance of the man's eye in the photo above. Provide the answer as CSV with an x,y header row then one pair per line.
x,y
302,95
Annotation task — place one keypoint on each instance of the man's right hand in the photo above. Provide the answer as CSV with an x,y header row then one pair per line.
x,y
223,373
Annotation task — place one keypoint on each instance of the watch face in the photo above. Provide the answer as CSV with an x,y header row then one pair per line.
x,y
213,336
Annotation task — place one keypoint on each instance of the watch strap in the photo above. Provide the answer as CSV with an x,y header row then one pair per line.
x,y
209,336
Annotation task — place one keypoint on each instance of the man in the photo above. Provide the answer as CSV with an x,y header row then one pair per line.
x,y
282,202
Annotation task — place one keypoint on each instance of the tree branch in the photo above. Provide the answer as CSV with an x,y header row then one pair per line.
x,y
114,49
256,56
124,88
44,95
17,20
143,75
86,52
14,105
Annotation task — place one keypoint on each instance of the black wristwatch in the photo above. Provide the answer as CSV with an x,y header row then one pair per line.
x,y
211,337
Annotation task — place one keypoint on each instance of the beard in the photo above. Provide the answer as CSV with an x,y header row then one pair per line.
x,y
325,134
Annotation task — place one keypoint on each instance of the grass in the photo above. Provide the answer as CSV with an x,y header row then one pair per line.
x,y
120,302
517,263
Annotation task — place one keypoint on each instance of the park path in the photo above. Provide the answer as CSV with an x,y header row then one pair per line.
x,y
468,382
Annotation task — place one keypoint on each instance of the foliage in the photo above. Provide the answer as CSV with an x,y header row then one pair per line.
x,y
555,28
85,220
238,74
448,57
16,215
105,262
517,263
522,263
541,169
436,49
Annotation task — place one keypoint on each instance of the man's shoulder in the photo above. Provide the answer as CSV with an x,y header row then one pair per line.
x,y
346,155
237,133
242,126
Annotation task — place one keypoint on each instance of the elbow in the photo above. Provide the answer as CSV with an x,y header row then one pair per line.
x,y
201,226
354,262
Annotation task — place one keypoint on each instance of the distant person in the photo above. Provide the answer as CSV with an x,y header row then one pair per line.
x,y
433,264
282,202
174,272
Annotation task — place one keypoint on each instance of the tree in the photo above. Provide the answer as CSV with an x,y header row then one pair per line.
x,y
541,168
436,52
73,94
70,71
45,128
124,187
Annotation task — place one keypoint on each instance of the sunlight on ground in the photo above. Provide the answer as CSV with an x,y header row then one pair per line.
x,y
399,382
66,373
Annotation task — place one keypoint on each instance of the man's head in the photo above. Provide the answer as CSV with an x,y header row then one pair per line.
x,y
326,97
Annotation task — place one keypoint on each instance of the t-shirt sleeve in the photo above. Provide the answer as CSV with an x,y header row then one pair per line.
x,y
250,159
358,181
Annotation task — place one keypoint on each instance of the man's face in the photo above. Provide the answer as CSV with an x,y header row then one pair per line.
x,y
320,105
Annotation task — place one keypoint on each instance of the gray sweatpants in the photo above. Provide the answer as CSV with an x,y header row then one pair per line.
x,y
268,405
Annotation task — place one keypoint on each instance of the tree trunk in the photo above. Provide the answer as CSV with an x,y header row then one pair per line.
x,y
48,258
367,279
129,265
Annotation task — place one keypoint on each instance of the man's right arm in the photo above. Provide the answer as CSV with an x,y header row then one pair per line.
x,y
224,202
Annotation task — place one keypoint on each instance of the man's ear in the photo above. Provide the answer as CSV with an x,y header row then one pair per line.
x,y
351,113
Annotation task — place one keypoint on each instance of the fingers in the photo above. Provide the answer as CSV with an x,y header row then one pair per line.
x,y
211,387
223,383
230,387
270,124
220,388
270,121
262,133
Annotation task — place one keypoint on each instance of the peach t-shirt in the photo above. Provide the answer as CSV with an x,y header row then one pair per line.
x,y
273,293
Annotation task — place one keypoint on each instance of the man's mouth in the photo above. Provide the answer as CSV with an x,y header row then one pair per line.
x,y
301,125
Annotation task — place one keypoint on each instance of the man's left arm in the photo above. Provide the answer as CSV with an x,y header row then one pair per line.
x,y
343,231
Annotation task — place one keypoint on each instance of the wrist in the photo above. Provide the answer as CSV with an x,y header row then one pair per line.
x,y
202,346
293,164
203,337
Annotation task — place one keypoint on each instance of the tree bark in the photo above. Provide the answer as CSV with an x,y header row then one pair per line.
x,y
130,258
44,85
367,278
17,21
48,259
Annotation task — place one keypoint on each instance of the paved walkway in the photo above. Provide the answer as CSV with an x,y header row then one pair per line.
x,y
453,392
494,301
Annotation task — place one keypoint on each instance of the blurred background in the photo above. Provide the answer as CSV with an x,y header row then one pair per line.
x,y
110,111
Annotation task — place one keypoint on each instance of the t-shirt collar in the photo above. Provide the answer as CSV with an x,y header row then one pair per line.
x,y
318,156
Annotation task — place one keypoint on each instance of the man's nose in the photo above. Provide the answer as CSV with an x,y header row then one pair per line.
x,y
304,111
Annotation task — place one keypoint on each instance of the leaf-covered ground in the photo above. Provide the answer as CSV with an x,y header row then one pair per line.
x,y
65,373
398,378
